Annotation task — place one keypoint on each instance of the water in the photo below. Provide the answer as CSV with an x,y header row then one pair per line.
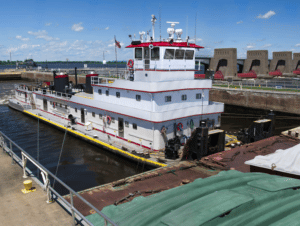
x,y
82,165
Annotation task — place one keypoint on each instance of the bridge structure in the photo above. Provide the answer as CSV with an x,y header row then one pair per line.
x,y
225,64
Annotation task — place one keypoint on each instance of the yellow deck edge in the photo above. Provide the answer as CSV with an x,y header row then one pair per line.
x,y
96,141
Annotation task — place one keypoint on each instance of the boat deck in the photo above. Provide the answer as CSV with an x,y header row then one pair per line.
x,y
25,209
123,145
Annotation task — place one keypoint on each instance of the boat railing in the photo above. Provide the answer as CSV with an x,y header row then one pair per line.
x,y
52,194
53,92
101,80
142,65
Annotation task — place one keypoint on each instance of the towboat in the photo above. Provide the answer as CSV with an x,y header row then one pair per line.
x,y
158,99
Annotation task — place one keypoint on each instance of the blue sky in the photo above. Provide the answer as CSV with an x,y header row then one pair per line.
x,y
82,30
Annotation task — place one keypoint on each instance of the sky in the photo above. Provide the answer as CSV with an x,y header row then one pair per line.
x,y
85,29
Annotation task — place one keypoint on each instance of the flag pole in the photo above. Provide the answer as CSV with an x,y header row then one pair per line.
x,y
116,55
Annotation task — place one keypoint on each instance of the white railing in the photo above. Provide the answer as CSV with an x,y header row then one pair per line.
x,y
46,174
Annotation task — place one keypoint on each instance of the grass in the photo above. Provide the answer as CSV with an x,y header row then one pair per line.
x,y
259,88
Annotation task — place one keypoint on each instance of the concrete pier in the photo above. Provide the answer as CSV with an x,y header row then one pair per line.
x,y
25,209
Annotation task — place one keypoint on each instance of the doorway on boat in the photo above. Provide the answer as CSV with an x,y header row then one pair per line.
x,y
121,127
146,58
82,116
45,104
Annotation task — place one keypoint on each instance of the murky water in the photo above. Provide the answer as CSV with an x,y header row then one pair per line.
x,y
82,165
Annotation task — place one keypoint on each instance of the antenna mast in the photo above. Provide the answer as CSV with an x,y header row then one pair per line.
x,y
153,20
187,26
195,28
160,22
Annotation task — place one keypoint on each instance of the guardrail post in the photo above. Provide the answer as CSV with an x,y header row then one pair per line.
x,y
12,154
47,188
72,210
24,161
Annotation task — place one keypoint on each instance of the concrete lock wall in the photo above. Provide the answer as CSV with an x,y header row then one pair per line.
x,y
225,60
296,61
257,60
268,100
282,61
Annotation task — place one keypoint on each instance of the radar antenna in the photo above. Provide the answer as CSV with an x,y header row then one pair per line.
x,y
171,30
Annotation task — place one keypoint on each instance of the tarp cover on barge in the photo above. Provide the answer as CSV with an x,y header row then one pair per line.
x,y
228,198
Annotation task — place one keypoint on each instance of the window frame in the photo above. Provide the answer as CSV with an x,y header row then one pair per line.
x,y
179,50
169,58
107,92
134,126
93,114
138,97
118,94
100,91
184,97
200,94
168,98
187,50
135,54
152,53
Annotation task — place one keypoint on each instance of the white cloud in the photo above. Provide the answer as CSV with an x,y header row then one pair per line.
x,y
267,45
48,24
250,46
297,45
77,27
42,35
219,42
240,22
266,15
106,28
113,44
22,47
21,38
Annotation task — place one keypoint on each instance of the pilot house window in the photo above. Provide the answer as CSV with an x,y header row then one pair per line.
x,y
183,97
179,54
169,54
138,53
155,53
189,54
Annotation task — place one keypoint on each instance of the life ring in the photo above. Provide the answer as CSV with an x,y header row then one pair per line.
x,y
108,118
192,124
163,130
179,126
150,46
130,63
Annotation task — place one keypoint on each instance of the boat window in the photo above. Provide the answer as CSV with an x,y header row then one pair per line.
x,y
75,109
146,53
107,92
100,91
155,53
138,53
189,54
138,97
66,106
118,94
126,124
169,54
93,114
179,54
198,96
183,97
100,116
134,126
168,98
113,120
